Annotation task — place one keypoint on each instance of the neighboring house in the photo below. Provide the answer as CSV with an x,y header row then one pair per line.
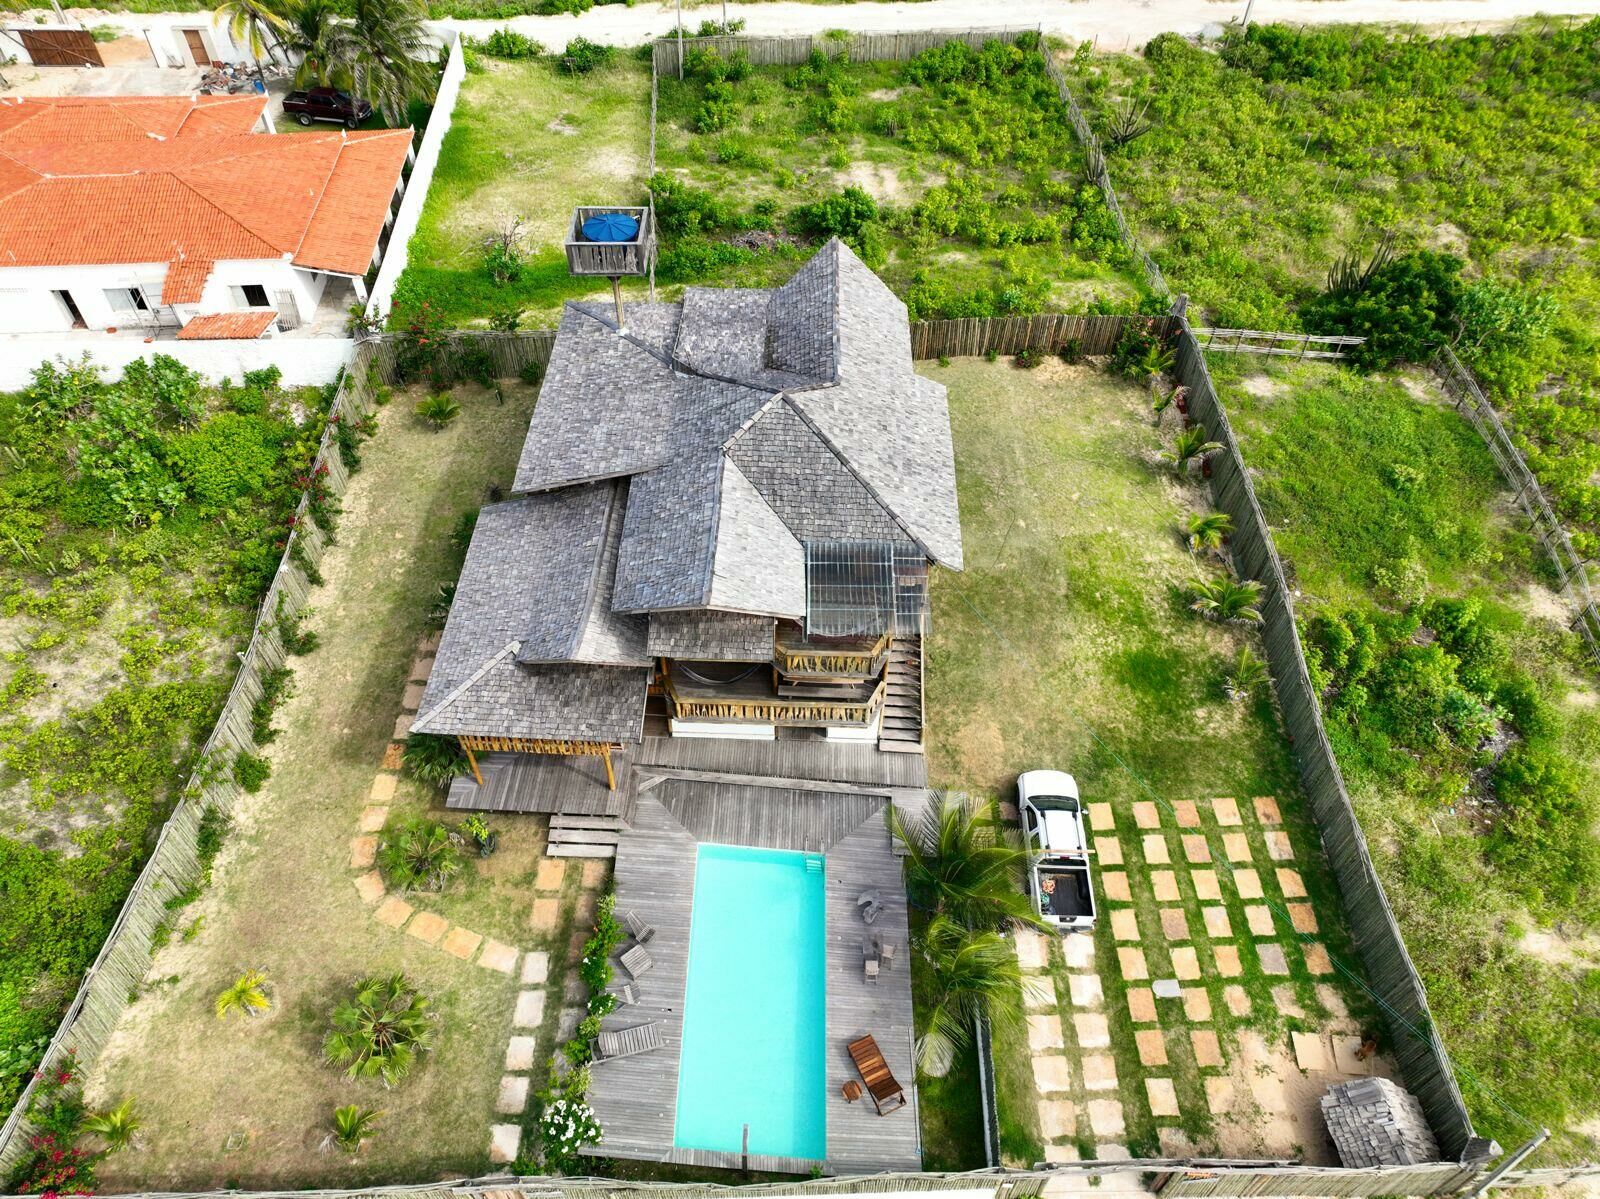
x,y
151,214
722,526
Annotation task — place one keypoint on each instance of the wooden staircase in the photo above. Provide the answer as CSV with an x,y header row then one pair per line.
x,y
901,730
584,836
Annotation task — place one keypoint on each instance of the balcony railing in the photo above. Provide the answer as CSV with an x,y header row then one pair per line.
x,y
830,662
761,710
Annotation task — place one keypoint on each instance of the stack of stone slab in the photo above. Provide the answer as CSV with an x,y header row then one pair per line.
x,y
1373,1122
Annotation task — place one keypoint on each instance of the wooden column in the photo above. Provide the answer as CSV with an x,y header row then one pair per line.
x,y
472,760
611,775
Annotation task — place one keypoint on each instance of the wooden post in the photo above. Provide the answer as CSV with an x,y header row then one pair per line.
x,y
616,298
611,775
472,760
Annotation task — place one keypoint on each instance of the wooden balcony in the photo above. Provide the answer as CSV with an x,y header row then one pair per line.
x,y
796,659
610,258
755,700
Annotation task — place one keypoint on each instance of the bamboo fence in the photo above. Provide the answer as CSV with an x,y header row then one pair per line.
x,y
791,51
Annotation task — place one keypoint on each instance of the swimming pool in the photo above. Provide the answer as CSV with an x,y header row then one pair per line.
x,y
753,1023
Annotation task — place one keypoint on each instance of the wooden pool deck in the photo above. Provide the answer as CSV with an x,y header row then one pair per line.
x,y
636,1098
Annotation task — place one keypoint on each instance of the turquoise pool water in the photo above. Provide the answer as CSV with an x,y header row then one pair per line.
x,y
753,1020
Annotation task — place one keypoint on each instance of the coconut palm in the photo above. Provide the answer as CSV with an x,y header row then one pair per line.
x,y
116,1126
390,58
971,972
438,410
1227,601
314,30
352,1125
420,857
379,1030
1208,530
248,994
1187,446
255,24
959,865
1248,676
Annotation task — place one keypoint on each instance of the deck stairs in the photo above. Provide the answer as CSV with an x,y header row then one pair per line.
x,y
901,730
574,836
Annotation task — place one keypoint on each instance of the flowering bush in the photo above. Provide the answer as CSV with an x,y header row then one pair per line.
x,y
566,1126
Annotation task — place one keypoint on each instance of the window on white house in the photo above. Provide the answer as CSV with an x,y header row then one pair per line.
x,y
250,295
127,299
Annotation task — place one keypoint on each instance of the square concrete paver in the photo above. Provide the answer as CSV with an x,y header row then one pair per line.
x,y
1044,1032
1226,811
1196,1005
1291,884
1039,993
1237,999
393,911
1105,1117
1141,1005
1165,885
1286,1002
530,1009
1267,810
393,756
1032,950
1272,958
1099,1072
1317,961
1078,950
546,914
594,872
1259,917
1174,924
513,1095
1052,1073
1124,925
1152,1046
1115,885
551,874
1131,962
520,1051
461,943
1227,961
1248,883
1186,963
412,696
383,786
1155,849
1060,1154
363,852
1146,814
1207,1052
1310,1050
1108,850
428,927
1217,925
1303,917
1187,813
1058,1118
504,1142
1163,1096
1093,1030
1278,847
1195,848
498,956
535,967
1112,1151
402,725
370,887
1205,884
1101,819
1236,847
373,817
1086,991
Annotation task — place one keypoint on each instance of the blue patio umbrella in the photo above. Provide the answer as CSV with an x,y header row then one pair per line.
x,y
611,226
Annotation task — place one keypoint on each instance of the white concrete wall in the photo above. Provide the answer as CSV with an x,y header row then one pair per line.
x,y
303,361
416,195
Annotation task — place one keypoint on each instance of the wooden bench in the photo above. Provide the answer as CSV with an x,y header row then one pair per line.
x,y
875,1072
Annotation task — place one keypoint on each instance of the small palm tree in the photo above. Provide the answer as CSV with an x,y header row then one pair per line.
x,y
421,857
438,410
1189,445
960,866
1248,676
248,995
1208,530
379,1030
352,1125
432,759
1227,601
117,1126
971,973
256,24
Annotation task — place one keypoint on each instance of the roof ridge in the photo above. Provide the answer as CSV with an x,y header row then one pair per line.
x,y
223,212
511,647
322,194
598,567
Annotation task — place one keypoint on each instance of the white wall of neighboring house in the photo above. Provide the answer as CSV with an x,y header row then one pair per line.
x,y
309,361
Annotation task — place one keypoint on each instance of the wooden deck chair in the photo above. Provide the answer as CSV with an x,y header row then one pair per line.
x,y
636,961
875,1072
641,931
626,1042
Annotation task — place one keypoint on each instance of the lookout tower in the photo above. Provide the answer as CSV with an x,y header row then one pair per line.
x,y
613,242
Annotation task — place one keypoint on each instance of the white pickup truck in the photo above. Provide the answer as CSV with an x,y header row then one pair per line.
x,y
1052,822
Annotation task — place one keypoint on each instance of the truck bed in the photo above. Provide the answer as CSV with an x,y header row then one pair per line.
x,y
1064,889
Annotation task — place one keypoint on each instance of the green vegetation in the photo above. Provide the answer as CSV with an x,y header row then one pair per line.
x,y
379,1030
248,994
1461,710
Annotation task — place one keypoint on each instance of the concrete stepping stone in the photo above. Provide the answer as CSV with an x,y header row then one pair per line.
x,y
1237,999
1057,1118
1099,1072
1058,1155
363,851
530,1009
1333,1002
428,927
1226,811
1141,1005
535,968
1219,1095
1039,993
393,911
412,696
551,874
513,1095
1317,960
1131,962
594,873
1086,990
1290,883
1195,848
373,818
1115,885
461,943
1165,885
1100,818
1155,849
504,1142
1093,1030
1174,924
1228,964
1248,883
393,756
1205,884
1310,1051
567,1023
1152,1046
1111,1151
1032,950
1175,1143
1278,847
1186,963
1267,810
1146,815
1207,1052
1166,988
498,956
1196,1004
1259,917
520,1051
1272,958
1052,1073
382,791
576,990
1124,925
1302,917
1286,1002
1108,850
1078,950
1045,1032
1217,924
428,644
370,887
1187,813
545,914
402,725
1163,1096
1105,1118
1236,847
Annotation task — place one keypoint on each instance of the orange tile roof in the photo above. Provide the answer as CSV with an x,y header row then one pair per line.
x,y
227,326
186,280
177,181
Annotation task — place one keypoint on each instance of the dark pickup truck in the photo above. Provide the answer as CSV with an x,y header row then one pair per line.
x,y
326,104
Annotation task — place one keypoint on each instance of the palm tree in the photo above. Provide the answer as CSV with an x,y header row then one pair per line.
x,y
255,23
433,759
1187,446
1227,601
248,995
379,1030
960,866
315,31
421,857
971,973
1208,530
117,1126
438,410
1248,676
352,1125
390,62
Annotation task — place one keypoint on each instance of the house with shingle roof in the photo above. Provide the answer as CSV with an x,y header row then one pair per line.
x,y
146,214
722,526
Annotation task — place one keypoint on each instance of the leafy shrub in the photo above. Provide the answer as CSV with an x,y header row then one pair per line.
x,y
251,772
1405,308
508,43
380,1029
551,8
1029,357
843,215
227,459
433,760
582,56
719,110
682,209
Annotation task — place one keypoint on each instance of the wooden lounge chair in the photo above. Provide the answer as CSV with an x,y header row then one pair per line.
x,y
626,1042
875,1072
641,931
636,961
